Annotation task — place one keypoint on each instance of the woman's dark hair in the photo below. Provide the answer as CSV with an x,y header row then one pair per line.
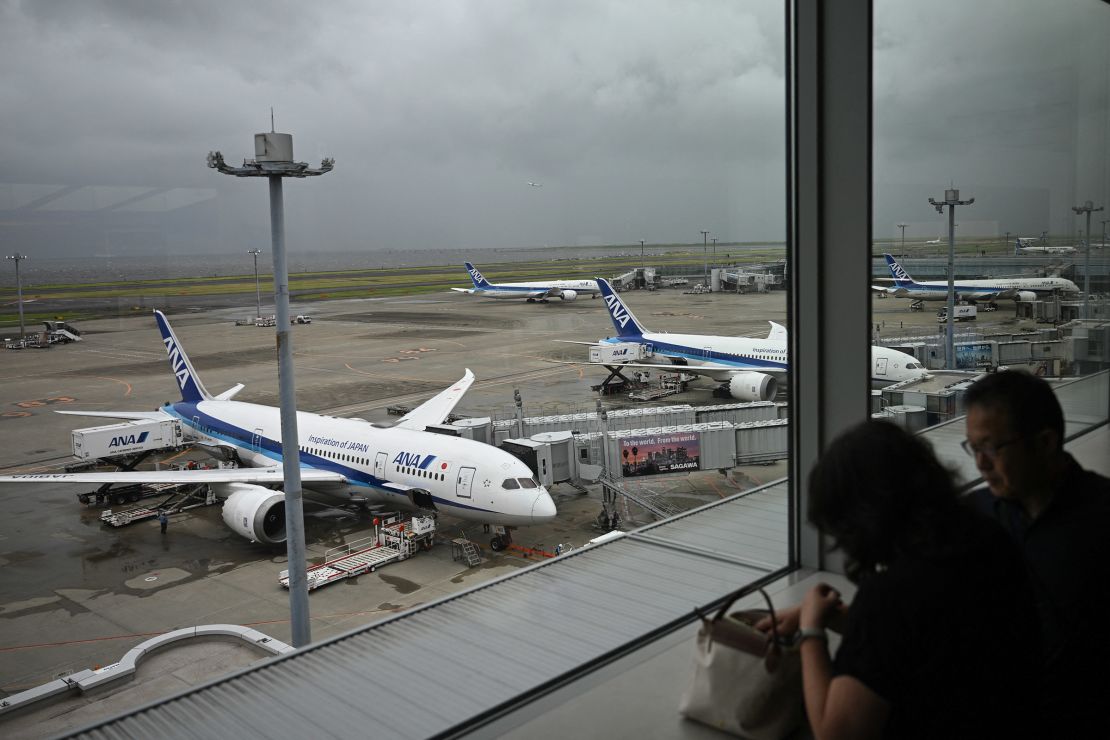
x,y
881,493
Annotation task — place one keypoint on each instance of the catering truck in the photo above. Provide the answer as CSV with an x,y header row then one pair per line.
x,y
95,443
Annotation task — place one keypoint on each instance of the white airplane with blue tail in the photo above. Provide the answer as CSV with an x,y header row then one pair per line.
x,y
396,466
749,366
986,289
540,290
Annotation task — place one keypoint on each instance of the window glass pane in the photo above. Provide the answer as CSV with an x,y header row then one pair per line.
x,y
643,143
1006,104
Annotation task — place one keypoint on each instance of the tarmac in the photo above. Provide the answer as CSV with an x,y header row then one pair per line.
x,y
75,594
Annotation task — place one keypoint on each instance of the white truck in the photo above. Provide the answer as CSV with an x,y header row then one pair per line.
x,y
618,352
94,443
959,313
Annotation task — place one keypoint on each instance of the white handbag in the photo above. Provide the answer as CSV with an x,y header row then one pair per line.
x,y
745,682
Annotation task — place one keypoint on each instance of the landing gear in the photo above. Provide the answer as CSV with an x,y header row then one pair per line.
x,y
502,538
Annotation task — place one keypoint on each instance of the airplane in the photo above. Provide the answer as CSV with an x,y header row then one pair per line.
x,y
750,366
535,184
395,466
1043,249
992,289
541,290
933,241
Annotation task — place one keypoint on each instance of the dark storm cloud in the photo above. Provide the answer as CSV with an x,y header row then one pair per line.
x,y
641,119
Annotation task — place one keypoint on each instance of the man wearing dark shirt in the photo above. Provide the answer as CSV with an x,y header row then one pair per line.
x,y
1059,515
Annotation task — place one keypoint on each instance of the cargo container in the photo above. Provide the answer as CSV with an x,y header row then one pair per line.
x,y
618,352
126,439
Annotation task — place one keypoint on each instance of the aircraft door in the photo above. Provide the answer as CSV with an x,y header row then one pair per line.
x,y
880,365
256,440
379,465
463,482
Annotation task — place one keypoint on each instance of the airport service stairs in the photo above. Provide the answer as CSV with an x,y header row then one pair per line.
x,y
470,553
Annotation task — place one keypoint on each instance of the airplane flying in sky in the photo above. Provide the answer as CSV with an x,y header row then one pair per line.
x,y
535,184
749,365
396,466
991,289
539,290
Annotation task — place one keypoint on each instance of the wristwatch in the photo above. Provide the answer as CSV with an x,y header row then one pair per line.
x,y
805,633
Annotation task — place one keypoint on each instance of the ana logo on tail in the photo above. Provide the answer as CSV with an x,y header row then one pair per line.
x,y
477,276
617,310
897,271
177,364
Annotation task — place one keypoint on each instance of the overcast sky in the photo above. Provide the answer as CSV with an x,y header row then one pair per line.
x,y
639,119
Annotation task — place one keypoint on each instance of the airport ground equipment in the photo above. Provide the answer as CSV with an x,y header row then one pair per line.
x,y
619,352
464,549
181,498
394,539
960,313
114,440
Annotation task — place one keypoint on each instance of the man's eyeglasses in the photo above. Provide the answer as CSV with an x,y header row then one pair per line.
x,y
988,451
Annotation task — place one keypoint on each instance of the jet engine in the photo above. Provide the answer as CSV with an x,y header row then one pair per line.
x,y
569,295
254,512
1025,296
753,387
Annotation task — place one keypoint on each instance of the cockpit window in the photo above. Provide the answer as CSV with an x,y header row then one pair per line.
x,y
527,483
912,366
510,483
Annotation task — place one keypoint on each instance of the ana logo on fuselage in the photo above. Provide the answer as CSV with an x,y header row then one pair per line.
x,y
176,363
412,460
617,310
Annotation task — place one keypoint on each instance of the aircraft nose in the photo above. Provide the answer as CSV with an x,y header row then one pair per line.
x,y
543,508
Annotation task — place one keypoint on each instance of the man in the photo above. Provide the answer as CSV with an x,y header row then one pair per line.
x,y
1059,515
163,520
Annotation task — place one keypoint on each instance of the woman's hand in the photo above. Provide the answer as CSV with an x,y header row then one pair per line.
x,y
820,604
786,622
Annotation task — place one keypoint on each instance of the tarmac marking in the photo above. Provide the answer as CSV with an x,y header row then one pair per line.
x,y
117,380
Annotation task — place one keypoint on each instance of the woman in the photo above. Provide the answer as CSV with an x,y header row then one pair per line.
x,y
940,640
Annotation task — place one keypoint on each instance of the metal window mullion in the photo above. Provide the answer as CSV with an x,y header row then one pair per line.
x,y
829,238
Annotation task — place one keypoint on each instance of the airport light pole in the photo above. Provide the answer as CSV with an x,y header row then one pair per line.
x,y
18,288
903,228
257,291
1088,208
705,252
274,161
1104,221
951,199
1015,244
642,254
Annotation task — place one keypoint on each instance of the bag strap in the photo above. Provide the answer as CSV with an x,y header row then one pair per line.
x,y
736,596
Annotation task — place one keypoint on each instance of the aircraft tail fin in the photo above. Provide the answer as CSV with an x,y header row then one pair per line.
x,y
192,390
476,277
901,278
626,323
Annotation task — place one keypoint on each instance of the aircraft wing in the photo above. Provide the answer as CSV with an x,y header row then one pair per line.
x,y
436,408
885,289
263,476
571,341
468,291
132,415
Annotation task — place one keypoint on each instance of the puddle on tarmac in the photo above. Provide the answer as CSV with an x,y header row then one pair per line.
x,y
403,585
